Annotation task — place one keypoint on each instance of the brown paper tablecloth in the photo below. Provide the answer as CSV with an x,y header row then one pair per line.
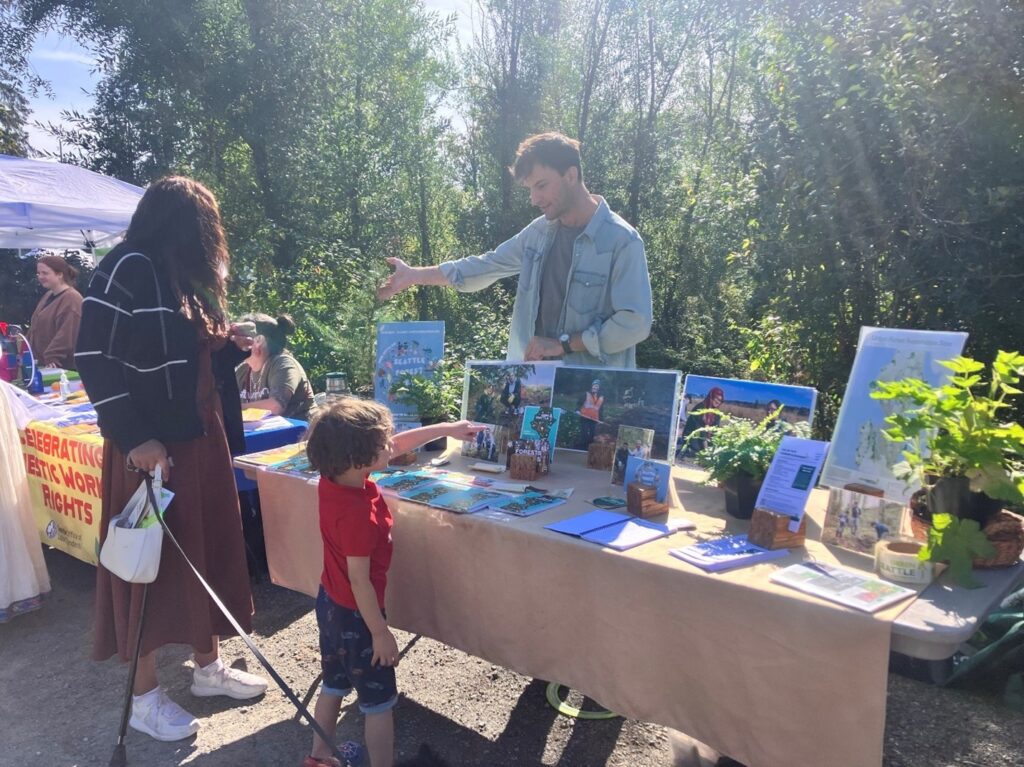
x,y
761,672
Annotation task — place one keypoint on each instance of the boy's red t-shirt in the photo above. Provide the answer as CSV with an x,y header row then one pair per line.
x,y
354,522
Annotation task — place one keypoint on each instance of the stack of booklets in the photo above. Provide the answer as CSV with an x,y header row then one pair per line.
x,y
617,531
861,591
451,496
403,480
726,553
287,459
527,504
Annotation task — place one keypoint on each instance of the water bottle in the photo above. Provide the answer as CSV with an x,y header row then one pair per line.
x,y
64,386
35,383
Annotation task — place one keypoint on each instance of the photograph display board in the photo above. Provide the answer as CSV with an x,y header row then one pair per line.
x,y
753,400
597,401
405,347
861,457
498,392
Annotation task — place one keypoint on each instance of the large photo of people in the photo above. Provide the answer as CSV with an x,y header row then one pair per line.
x,y
597,401
498,392
753,400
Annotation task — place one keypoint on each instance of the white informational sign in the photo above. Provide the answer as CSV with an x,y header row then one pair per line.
x,y
791,477
861,458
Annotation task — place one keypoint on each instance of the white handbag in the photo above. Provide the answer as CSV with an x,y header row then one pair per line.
x,y
131,550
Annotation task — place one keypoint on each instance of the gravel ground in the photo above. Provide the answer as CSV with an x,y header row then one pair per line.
x,y
60,709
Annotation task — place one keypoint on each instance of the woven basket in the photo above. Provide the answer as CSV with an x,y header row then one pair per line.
x,y
1005,531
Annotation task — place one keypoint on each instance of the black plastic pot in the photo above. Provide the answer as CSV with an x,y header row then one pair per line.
x,y
953,495
439,444
740,495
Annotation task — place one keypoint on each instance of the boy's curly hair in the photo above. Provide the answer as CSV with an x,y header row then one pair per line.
x,y
348,434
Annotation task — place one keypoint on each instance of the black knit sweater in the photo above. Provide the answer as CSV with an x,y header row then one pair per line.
x,y
137,354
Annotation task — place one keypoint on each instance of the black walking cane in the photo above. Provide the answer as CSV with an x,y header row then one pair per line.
x,y
120,756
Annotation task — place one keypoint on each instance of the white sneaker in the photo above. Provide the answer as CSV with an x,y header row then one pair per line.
x,y
219,679
160,717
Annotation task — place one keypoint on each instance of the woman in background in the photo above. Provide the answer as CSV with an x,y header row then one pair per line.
x,y
271,378
54,325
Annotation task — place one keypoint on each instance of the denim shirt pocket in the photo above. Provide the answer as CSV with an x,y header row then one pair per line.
x,y
529,273
586,291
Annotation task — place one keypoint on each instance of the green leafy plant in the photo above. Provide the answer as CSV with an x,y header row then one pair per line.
x,y
957,429
956,541
739,446
436,396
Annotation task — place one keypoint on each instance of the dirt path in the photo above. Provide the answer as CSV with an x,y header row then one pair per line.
x,y
59,709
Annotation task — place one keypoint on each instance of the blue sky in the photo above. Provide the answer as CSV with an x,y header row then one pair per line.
x,y
70,70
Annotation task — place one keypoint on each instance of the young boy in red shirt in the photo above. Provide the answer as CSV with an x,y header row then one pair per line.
x,y
352,438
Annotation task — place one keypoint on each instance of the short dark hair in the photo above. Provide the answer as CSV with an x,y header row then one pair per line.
x,y
554,150
348,434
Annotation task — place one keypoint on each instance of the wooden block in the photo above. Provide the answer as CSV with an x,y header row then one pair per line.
x,y
771,531
405,459
523,467
600,455
642,501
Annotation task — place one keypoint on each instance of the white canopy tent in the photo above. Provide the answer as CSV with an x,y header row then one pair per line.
x,y
46,204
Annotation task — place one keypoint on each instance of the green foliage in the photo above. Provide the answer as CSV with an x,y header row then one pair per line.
x,y
740,446
797,170
961,428
957,541
436,397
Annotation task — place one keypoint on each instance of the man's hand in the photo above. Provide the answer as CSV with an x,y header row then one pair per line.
x,y
400,279
465,430
385,649
541,348
150,454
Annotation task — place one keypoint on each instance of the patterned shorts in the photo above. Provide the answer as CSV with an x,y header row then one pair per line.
x,y
346,649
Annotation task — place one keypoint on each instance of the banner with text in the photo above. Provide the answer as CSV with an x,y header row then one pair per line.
x,y
65,481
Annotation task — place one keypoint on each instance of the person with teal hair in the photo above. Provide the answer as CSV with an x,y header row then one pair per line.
x,y
271,378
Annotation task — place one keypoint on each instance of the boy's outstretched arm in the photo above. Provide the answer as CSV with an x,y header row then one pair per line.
x,y
412,439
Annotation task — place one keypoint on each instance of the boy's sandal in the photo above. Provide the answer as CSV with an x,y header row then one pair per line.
x,y
321,761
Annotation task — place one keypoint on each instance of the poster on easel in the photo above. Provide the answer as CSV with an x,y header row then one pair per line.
x,y
861,457
405,347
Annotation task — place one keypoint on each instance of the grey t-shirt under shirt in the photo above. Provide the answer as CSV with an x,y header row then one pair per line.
x,y
554,281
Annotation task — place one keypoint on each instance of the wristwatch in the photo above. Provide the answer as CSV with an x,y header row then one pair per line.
x,y
564,338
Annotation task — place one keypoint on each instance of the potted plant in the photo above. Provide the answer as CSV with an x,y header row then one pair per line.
x,y
737,454
435,397
957,542
958,445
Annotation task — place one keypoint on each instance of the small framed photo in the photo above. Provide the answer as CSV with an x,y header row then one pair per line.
x,y
632,441
654,474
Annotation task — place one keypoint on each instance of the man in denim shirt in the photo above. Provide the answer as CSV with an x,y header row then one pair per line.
x,y
584,292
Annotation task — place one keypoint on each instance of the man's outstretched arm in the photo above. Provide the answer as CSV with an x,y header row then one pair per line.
x,y
404,276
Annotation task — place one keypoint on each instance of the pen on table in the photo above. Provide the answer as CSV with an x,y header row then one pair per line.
x,y
818,568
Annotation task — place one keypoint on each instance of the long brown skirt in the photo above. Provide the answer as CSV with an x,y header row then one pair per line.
x,y
205,518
